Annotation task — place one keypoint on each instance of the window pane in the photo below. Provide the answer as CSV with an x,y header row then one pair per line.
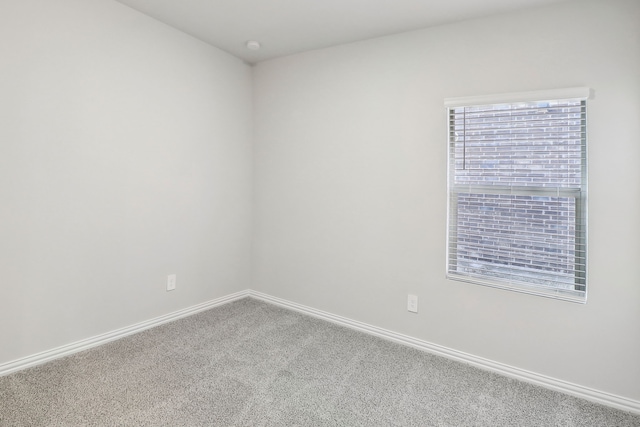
x,y
517,238
533,144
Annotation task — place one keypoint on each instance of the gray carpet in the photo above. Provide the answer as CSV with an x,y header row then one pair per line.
x,y
254,364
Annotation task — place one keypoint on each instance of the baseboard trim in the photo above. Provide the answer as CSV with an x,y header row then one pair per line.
x,y
586,393
66,350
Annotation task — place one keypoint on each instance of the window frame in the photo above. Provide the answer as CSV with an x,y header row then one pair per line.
x,y
580,195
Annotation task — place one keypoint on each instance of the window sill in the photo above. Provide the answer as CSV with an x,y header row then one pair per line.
x,y
542,291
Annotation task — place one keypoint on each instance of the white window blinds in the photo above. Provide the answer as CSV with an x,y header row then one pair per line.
x,y
517,195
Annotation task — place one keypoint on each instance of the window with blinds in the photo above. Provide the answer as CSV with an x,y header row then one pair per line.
x,y
517,193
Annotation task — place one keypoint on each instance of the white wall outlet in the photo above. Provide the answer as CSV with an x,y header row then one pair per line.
x,y
412,303
171,282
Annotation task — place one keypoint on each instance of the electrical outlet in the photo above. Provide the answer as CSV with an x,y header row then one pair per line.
x,y
171,282
412,303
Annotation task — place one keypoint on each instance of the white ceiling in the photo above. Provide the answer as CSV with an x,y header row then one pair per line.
x,y
284,27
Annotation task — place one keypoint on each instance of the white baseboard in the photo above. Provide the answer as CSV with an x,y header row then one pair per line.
x,y
586,393
66,350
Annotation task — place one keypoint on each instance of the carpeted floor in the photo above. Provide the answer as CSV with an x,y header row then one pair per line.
x,y
254,364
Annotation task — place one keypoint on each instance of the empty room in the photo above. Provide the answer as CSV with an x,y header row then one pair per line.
x,y
319,213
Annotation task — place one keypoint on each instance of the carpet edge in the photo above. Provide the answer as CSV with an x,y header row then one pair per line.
x,y
576,390
97,340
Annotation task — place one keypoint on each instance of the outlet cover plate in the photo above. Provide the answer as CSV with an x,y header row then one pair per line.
x,y
171,282
412,303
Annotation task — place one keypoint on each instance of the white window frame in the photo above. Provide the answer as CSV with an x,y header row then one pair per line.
x,y
581,93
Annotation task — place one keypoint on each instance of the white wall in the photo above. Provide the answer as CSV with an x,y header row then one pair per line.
x,y
125,155
350,185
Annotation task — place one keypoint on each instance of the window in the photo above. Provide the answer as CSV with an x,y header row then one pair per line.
x,y
517,192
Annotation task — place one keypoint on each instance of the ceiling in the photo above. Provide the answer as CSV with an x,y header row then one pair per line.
x,y
285,27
